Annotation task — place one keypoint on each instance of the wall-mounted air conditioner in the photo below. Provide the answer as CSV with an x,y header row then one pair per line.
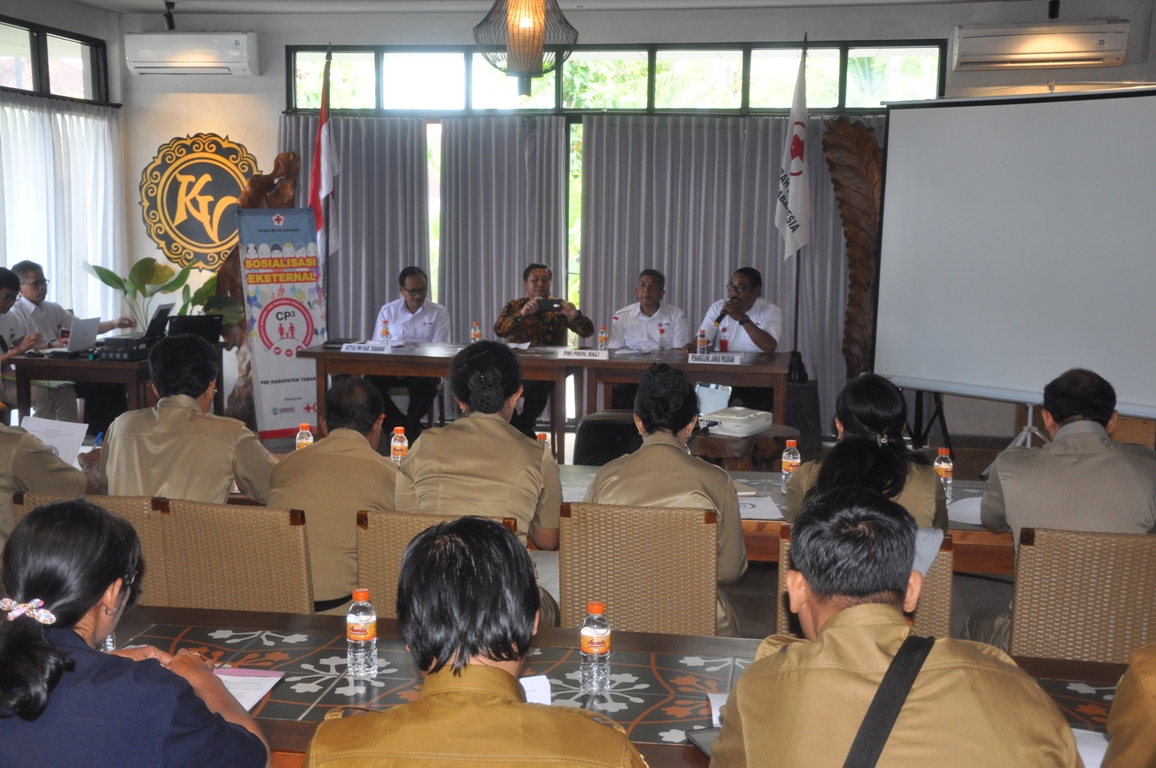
x,y
210,53
1041,46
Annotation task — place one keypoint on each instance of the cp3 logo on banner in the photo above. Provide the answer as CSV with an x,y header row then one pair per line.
x,y
286,326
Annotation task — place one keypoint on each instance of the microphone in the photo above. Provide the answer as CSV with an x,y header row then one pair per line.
x,y
723,314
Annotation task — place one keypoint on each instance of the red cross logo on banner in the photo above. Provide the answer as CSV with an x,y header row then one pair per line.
x,y
278,220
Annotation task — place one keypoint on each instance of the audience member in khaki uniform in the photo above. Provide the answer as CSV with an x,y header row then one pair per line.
x,y
177,449
802,701
26,464
332,480
1081,481
480,465
662,474
468,608
1132,721
870,415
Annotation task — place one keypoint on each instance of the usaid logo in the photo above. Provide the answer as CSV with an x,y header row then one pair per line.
x,y
284,409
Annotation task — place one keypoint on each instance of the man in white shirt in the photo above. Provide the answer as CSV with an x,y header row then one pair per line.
x,y
412,318
34,315
645,326
746,322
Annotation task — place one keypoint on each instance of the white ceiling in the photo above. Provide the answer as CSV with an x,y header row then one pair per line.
x,y
444,6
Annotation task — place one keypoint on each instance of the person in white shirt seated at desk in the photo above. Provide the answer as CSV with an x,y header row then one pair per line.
x,y
646,326
412,318
32,314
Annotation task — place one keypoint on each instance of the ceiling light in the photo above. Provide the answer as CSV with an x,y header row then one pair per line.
x,y
525,38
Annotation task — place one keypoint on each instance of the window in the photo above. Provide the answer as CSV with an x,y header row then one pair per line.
x,y
774,71
879,75
352,80
51,62
698,80
423,81
605,80
493,89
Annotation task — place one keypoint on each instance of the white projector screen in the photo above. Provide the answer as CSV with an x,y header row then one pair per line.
x,y
1019,240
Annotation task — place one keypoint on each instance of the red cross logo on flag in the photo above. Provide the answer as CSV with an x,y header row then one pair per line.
x,y
797,150
278,220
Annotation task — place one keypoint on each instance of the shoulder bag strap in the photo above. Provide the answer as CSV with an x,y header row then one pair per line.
x,y
888,701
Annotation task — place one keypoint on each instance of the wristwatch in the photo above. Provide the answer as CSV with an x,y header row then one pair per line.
x,y
744,319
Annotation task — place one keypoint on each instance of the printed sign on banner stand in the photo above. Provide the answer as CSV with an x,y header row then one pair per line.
x,y
285,313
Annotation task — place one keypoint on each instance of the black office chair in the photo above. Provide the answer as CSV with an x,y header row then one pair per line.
x,y
604,436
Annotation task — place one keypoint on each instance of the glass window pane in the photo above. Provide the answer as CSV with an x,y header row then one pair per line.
x,y
604,80
352,80
69,68
878,75
15,58
699,80
774,71
424,80
497,90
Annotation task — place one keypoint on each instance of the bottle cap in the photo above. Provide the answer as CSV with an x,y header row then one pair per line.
x,y
304,427
543,436
399,430
792,443
360,595
595,606
944,451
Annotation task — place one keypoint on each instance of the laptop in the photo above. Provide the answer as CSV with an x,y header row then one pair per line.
x,y
81,338
207,327
711,398
156,329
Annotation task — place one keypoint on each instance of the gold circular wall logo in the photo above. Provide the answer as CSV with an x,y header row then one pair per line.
x,y
189,195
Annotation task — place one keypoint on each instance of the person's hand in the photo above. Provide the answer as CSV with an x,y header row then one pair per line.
x,y
529,308
569,310
141,654
125,322
58,343
29,341
731,308
190,665
689,348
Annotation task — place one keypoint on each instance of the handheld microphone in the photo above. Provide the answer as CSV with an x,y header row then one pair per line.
x,y
722,314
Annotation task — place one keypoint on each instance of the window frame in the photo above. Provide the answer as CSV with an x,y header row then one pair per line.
x,y
41,81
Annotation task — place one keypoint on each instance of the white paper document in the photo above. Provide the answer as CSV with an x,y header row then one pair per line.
x,y
1092,747
63,437
573,493
965,511
537,689
512,345
248,686
716,704
759,508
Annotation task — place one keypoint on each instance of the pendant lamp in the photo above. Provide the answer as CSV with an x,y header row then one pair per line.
x,y
525,38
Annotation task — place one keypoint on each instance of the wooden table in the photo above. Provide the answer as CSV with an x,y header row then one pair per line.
x,y
433,361
676,670
134,375
756,370
738,454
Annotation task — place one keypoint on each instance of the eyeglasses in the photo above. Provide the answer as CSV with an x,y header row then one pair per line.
x,y
37,283
7,298
646,286
417,291
739,288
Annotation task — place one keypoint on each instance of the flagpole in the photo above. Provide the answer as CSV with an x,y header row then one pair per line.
x,y
796,370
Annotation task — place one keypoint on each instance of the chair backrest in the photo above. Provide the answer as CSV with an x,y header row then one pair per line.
x,y
655,568
1083,596
238,558
24,502
932,617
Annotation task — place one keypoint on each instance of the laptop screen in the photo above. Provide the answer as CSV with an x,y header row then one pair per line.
x,y
711,397
160,319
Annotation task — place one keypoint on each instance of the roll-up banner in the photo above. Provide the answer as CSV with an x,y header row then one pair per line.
x,y
285,313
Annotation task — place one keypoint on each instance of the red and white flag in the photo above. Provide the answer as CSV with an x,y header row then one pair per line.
x,y
324,166
793,212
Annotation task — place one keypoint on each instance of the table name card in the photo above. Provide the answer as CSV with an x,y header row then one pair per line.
x,y
715,358
373,349
583,354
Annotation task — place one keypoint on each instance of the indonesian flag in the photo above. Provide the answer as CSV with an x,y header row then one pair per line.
x,y
324,166
793,212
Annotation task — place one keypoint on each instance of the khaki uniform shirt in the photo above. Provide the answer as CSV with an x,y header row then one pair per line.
x,y
1081,481
1132,721
801,703
332,480
178,451
922,495
26,464
478,718
480,465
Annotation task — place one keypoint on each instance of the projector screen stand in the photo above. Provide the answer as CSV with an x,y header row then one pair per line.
x,y
1024,438
920,431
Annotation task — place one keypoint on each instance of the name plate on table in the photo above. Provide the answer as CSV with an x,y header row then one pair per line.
x,y
716,358
372,349
583,354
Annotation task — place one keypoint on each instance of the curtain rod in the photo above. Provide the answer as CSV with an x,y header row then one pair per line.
x,y
54,97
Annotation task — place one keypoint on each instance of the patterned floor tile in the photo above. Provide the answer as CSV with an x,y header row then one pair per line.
x,y
1084,706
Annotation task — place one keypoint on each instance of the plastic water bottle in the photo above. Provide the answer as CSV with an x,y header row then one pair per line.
x,y
603,338
398,445
722,339
791,461
384,339
361,637
661,336
543,437
475,333
304,437
945,468
700,343
594,641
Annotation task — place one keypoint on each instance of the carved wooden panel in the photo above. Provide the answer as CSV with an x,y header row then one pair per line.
x,y
856,164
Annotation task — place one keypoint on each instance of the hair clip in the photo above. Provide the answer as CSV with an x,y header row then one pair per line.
x,y
33,609
881,439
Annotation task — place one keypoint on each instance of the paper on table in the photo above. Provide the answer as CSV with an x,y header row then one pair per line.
x,y
965,511
63,437
1092,747
572,493
626,351
537,689
716,704
743,489
511,345
248,686
759,508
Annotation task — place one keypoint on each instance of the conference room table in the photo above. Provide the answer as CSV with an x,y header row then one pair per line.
x,y
660,684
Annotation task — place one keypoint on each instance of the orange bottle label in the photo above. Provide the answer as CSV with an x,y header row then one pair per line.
x,y
790,466
944,472
596,644
360,632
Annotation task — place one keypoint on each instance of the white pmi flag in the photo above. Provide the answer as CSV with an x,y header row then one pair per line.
x,y
793,213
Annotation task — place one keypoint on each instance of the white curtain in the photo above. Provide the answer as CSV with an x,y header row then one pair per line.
x,y
62,196
694,198
378,215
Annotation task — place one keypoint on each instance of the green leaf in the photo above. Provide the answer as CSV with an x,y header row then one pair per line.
x,y
174,283
110,278
205,292
186,295
231,310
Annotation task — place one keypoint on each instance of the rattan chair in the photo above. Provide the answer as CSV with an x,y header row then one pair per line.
x,y
238,558
1083,596
932,618
24,502
655,568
